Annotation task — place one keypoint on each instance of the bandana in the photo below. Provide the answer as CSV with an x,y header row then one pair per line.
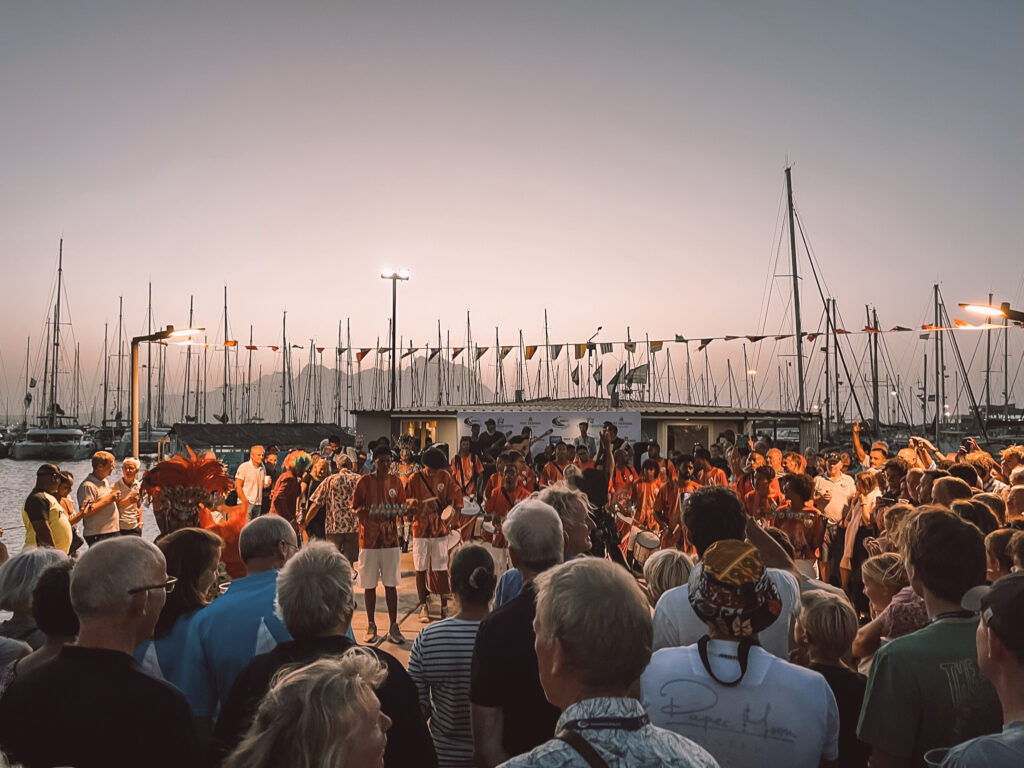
x,y
733,591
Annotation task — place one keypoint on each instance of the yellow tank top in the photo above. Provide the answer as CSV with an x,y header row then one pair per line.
x,y
60,526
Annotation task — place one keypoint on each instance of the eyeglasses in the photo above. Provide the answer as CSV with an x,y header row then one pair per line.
x,y
167,586
288,543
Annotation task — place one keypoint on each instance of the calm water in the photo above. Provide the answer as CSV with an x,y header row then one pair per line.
x,y
16,481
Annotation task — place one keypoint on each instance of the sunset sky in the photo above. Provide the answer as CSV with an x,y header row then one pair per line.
x,y
619,164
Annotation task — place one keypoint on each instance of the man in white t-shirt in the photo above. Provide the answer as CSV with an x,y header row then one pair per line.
x,y
834,492
129,510
249,481
97,501
741,703
712,514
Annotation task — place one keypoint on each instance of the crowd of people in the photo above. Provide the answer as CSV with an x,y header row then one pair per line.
x,y
598,604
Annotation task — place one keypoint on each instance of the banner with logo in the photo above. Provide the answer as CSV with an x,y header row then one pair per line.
x,y
554,426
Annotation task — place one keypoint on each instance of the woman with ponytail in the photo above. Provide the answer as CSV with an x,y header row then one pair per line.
x,y
442,655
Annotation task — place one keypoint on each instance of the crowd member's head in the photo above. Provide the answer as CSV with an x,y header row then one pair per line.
x,y
913,483
895,472
997,562
64,484
774,457
118,589
924,489
798,489
51,604
270,456
713,513
702,458
883,577
944,555
982,464
432,458
995,504
193,557
18,577
1011,458
946,490
297,462
1015,550
1015,503
878,454
650,469
593,628
574,511
734,595
826,627
534,534
324,713
314,592
763,477
964,472
792,463
102,464
867,481
472,575
664,570
266,543
975,512
684,466
893,518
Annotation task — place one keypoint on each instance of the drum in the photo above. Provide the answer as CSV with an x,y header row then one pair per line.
x,y
487,531
448,515
467,520
454,540
644,546
623,524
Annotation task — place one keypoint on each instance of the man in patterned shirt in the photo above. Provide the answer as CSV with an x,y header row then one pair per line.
x,y
594,639
335,495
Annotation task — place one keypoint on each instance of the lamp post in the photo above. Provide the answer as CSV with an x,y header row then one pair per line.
x,y
1003,310
1008,315
394,277
590,359
168,333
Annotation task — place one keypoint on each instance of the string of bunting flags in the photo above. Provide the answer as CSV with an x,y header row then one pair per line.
x,y
581,350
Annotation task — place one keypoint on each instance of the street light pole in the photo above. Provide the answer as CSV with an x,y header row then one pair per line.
x,y
394,277
167,333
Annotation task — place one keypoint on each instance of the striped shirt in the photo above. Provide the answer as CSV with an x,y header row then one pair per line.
x,y
440,663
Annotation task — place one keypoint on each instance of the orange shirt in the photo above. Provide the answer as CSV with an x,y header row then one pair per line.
x,y
667,469
552,473
805,528
465,470
528,479
426,520
712,476
377,531
643,496
499,504
758,508
493,484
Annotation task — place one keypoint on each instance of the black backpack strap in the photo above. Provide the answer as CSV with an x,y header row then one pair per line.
x,y
582,746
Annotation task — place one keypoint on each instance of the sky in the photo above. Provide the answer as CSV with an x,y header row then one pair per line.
x,y
616,164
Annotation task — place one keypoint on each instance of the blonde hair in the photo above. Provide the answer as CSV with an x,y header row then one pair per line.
x,y
829,623
314,590
886,569
308,717
665,569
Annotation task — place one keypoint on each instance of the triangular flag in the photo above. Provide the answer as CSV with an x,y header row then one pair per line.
x,y
960,323
456,351
554,350
362,353
898,328
531,350
383,350
928,327
505,351
576,375
753,339
409,351
581,350
251,347
599,374
630,346
274,348
784,336
320,349
680,339
703,344
616,380
811,337
230,343
871,329
606,348
638,375
840,330
340,350
730,338
481,351
655,346
433,353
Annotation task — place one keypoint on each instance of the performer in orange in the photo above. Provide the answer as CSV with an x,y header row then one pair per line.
x,y
378,500
668,505
707,473
666,469
802,522
583,459
645,491
759,501
526,474
620,483
430,491
554,470
497,506
467,468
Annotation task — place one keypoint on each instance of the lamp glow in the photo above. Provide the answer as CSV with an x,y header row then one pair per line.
x,y
984,309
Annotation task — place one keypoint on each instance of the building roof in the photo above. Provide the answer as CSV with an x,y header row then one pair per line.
x,y
591,404
245,435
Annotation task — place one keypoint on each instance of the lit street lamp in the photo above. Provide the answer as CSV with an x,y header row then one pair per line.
x,y
168,333
1003,310
394,277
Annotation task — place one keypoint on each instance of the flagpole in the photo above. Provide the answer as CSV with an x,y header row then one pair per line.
x,y
547,347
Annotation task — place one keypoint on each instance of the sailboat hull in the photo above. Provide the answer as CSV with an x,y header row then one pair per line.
x,y
54,445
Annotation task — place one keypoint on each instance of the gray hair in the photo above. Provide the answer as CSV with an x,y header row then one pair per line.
x,y
260,537
104,574
565,500
596,610
314,590
665,569
534,531
18,576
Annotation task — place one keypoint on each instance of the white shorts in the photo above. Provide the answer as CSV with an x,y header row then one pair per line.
x,y
430,554
379,565
501,560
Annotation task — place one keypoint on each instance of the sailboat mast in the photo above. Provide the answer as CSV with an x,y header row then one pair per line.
x,y
988,367
106,382
284,368
227,360
28,378
149,366
938,365
247,416
796,293
120,359
547,348
56,337
188,369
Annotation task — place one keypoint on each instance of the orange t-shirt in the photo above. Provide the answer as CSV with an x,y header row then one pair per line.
x,y
552,473
426,520
713,476
499,504
465,470
377,531
667,470
644,494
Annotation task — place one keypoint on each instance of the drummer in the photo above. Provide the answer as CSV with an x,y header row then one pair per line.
x,y
668,504
466,467
554,470
526,474
645,491
497,506
583,458
430,491
666,469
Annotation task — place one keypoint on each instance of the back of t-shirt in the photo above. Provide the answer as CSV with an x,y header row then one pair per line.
x,y
779,714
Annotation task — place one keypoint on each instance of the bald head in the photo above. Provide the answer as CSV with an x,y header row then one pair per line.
x,y
101,580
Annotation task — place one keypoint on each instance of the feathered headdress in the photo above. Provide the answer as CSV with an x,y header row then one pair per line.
x,y
178,486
